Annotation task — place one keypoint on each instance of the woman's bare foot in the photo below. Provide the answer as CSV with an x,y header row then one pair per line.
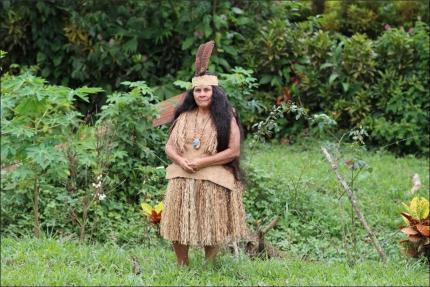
x,y
211,252
181,251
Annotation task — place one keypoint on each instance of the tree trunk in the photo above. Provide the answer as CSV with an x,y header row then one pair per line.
x,y
86,206
36,222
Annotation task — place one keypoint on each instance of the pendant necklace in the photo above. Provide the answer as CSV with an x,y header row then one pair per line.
x,y
196,140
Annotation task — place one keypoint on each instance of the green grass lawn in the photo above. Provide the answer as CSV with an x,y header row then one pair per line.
x,y
60,262
380,193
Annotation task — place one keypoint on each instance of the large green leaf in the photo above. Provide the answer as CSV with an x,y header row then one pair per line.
x,y
31,107
83,92
44,155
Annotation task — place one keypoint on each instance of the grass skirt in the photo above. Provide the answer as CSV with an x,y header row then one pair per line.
x,y
200,212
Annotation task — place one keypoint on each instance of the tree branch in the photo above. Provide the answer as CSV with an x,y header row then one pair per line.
x,y
354,203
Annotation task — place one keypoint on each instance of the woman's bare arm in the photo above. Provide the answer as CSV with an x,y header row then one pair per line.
x,y
171,151
176,157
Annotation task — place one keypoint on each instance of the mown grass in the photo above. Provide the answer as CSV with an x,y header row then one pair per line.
x,y
59,262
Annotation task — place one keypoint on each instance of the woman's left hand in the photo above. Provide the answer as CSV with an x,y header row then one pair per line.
x,y
197,163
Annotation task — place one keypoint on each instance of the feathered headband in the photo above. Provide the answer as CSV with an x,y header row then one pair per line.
x,y
167,107
202,62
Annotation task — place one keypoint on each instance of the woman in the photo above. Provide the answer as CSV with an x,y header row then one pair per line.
x,y
203,201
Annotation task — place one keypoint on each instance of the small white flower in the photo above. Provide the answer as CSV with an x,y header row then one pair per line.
x,y
99,177
93,184
101,196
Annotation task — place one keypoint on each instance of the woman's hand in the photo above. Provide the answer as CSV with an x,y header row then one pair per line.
x,y
197,164
185,164
222,157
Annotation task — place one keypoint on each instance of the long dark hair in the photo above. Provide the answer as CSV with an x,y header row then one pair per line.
x,y
221,113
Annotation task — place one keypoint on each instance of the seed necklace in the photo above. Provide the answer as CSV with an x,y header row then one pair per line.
x,y
196,140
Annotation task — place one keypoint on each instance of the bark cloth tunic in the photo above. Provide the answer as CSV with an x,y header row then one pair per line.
x,y
205,207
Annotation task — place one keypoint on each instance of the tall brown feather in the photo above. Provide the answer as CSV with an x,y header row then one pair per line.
x,y
202,57
198,56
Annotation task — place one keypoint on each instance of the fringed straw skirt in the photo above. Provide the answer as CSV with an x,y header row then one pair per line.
x,y
200,212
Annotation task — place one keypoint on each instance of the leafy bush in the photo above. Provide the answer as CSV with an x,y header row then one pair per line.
x,y
37,119
59,169
378,85
351,17
401,99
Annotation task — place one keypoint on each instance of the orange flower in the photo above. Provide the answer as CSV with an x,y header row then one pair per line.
x,y
153,213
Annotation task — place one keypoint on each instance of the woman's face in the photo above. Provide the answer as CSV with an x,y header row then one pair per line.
x,y
203,96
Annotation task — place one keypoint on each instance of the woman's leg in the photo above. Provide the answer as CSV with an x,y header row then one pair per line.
x,y
211,252
181,251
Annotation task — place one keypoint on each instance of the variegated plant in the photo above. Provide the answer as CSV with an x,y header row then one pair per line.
x,y
417,229
153,213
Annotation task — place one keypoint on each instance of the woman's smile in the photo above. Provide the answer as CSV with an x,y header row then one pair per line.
x,y
203,95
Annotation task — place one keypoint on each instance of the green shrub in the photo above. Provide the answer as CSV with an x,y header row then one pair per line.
x,y
376,84
37,119
354,16
400,97
57,171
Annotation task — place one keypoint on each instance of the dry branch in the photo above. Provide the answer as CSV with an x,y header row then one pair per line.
x,y
256,246
354,203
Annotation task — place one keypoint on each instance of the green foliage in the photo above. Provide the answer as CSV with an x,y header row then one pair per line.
x,y
341,62
70,167
354,16
36,120
136,145
401,99
358,59
101,44
265,128
269,52
375,84
240,86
